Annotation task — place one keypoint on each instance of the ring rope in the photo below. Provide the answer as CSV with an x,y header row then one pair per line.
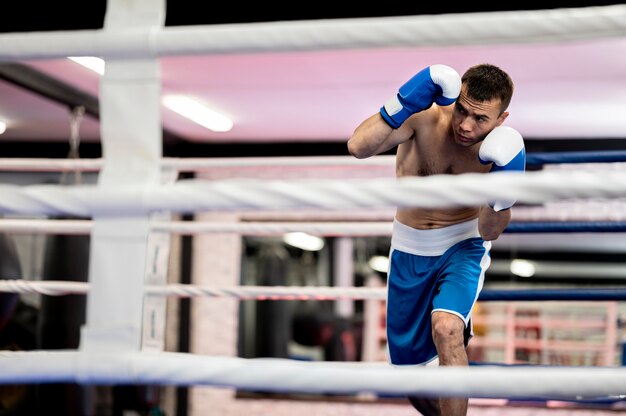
x,y
201,164
194,195
81,227
595,156
61,288
331,229
565,227
591,210
285,375
525,26
197,164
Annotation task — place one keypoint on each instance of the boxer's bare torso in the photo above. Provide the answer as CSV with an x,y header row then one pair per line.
x,y
433,150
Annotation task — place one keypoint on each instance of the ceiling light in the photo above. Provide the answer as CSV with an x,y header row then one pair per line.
x,y
379,263
90,62
522,268
198,113
3,126
304,241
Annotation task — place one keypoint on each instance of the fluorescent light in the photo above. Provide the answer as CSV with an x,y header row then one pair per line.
x,y
3,126
522,268
379,263
198,112
90,62
304,241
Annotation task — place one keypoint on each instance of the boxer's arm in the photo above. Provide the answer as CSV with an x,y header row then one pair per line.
x,y
492,223
374,136
434,84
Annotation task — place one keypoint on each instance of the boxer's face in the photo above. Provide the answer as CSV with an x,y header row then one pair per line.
x,y
472,120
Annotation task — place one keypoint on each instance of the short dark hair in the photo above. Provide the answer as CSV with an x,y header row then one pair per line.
x,y
485,82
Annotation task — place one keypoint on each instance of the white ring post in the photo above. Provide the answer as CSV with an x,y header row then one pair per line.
x,y
131,141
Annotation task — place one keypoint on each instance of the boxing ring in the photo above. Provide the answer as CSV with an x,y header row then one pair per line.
x,y
129,216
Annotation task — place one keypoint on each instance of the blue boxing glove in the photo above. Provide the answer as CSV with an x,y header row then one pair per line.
x,y
434,84
504,147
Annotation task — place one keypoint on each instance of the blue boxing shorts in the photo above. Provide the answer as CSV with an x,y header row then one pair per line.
x,y
440,269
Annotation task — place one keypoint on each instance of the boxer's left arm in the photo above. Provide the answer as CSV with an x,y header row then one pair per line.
x,y
504,149
374,136
435,84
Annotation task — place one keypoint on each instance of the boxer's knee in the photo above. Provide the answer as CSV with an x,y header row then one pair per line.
x,y
447,330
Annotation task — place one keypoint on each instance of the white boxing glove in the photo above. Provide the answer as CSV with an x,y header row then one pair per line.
x,y
504,147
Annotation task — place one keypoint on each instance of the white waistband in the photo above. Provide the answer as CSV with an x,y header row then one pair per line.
x,y
431,242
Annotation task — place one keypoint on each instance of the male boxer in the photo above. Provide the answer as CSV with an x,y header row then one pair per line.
x,y
441,123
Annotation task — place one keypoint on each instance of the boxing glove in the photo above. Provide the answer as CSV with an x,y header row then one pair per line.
x,y
504,147
437,83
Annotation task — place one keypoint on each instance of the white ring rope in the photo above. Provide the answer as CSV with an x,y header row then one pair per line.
x,y
49,287
202,164
61,288
586,211
195,195
81,227
198,164
50,165
404,31
581,210
46,226
275,374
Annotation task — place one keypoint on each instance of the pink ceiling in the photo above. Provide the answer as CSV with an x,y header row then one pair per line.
x,y
566,90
